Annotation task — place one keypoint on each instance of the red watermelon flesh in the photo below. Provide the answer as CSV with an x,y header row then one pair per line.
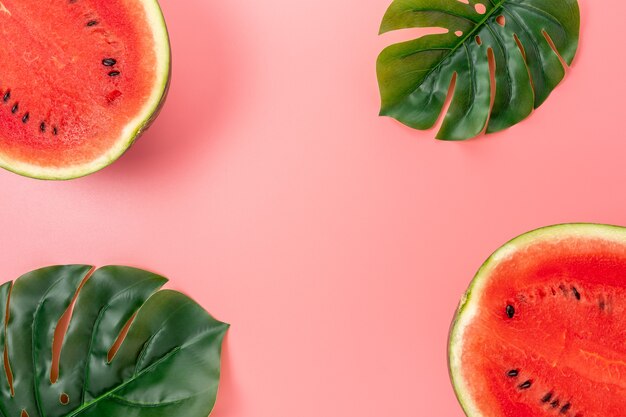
x,y
542,329
79,80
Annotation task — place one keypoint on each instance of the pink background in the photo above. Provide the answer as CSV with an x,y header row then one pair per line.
x,y
335,242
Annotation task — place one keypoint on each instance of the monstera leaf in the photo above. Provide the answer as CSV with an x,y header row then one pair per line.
x,y
167,364
521,35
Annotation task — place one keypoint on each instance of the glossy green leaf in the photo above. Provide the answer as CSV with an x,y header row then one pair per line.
x,y
415,76
167,365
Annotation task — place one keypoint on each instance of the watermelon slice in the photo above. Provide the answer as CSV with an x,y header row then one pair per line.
x,y
80,80
541,330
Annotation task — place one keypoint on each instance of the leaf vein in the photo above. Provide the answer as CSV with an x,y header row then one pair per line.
x,y
538,11
96,325
533,44
90,404
125,401
461,42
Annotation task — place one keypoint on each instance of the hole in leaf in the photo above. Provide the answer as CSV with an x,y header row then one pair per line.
x,y
553,46
501,20
7,364
64,399
520,46
60,331
458,33
523,51
478,40
492,85
9,374
120,339
480,8
463,1
446,103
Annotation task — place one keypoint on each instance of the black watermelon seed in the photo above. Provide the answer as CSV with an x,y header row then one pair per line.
x,y
109,62
602,305
25,117
555,403
576,293
42,127
6,96
114,73
55,131
510,311
547,397
565,408
15,108
513,373
526,384
92,23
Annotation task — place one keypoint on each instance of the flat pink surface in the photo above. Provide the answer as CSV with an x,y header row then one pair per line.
x,y
335,242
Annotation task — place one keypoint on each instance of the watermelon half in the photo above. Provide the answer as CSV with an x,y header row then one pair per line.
x,y
80,80
542,329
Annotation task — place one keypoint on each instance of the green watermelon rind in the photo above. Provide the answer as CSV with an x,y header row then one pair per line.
x,y
162,42
472,295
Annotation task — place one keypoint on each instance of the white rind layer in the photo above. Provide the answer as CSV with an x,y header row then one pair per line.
x,y
469,305
133,129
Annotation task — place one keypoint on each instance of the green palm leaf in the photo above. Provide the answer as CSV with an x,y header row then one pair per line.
x,y
415,76
167,365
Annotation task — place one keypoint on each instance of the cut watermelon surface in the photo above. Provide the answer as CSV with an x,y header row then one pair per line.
x,y
542,328
79,81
